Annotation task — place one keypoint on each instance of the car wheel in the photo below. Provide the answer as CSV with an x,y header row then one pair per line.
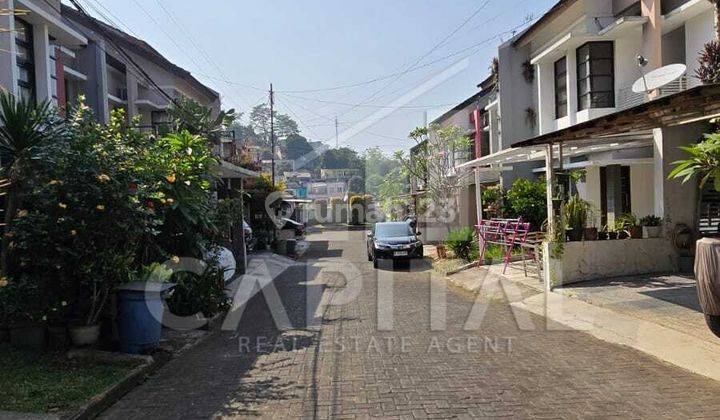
x,y
375,263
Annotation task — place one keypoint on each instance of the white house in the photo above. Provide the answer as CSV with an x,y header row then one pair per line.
x,y
578,111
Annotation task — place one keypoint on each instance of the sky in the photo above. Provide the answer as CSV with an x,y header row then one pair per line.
x,y
376,66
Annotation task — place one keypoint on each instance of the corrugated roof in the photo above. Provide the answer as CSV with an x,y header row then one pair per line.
x,y
136,46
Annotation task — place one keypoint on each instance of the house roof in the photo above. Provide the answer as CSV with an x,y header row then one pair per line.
x,y
486,86
554,11
136,46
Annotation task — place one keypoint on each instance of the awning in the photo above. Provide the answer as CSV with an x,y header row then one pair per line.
x,y
228,170
496,161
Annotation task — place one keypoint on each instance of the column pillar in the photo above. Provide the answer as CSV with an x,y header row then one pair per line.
x,y
8,65
41,51
132,94
652,36
572,102
549,177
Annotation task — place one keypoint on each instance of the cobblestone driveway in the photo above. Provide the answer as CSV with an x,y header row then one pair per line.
x,y
410,372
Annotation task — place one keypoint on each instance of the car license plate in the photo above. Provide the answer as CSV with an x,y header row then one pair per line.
x,y
401,253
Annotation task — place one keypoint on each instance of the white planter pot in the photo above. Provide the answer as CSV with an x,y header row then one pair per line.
x,y
652,231
85,335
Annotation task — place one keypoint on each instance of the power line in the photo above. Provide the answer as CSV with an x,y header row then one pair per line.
x,y
421,58
202,51
361,105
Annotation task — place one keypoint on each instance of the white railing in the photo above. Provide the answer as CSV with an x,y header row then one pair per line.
x,y
628,99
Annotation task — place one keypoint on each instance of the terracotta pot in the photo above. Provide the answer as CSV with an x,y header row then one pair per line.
x,y
636,232
613,235
85,335
707,276
603,236
623,235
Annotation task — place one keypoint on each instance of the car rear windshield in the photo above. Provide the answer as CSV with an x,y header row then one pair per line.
x,y
393,230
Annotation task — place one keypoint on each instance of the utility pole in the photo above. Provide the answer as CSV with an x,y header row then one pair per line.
x,y
272,132
337,137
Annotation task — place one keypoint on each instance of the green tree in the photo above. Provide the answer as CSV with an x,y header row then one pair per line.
x,y
260,123
431,161
297,146
285,126
341,158
24,131
528,199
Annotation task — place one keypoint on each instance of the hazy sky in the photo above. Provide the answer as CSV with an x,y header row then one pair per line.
x,y
239,47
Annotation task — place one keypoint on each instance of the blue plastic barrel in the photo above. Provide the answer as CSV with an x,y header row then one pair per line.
x,y
140,315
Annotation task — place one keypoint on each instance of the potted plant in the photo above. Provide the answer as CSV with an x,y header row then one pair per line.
x,y
627,226
604,233
651,226
703,163
576,215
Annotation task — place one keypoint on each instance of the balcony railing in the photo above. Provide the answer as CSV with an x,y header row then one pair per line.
x,y
628,99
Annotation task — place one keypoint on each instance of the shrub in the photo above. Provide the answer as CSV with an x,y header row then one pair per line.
x,y
527,199
199,294
709,70
651,221
462,243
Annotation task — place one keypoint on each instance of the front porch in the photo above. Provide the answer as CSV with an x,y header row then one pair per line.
x,y
626,158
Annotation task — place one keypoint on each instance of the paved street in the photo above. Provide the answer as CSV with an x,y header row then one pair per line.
x,y
349,369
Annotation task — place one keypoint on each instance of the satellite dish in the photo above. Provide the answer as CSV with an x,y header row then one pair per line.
x,y
659,78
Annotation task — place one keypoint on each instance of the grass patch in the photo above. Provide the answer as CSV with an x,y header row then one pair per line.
x,y
44,383
447,265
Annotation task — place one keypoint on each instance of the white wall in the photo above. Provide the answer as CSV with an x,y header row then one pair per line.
x,y
626,69
642,196
590,191
698,31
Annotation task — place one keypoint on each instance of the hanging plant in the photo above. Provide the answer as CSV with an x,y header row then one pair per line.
x,y
709,70
495,71
531,117
528,72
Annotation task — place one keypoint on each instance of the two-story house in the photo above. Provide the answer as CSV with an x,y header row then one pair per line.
x,y
477,118
33,39
567,103
125,72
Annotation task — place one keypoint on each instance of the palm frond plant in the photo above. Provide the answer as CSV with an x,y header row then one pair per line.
x,y
576,216
24,129
703,162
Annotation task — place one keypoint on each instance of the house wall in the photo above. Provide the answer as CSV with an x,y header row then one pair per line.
x,y
674,201
642,198
591,260
698,31
673,47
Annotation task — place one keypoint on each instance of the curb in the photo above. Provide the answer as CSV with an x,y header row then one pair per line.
x,y
110,396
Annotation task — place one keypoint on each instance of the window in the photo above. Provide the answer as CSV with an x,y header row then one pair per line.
x,y
561,99
53,73
595,74
25,60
